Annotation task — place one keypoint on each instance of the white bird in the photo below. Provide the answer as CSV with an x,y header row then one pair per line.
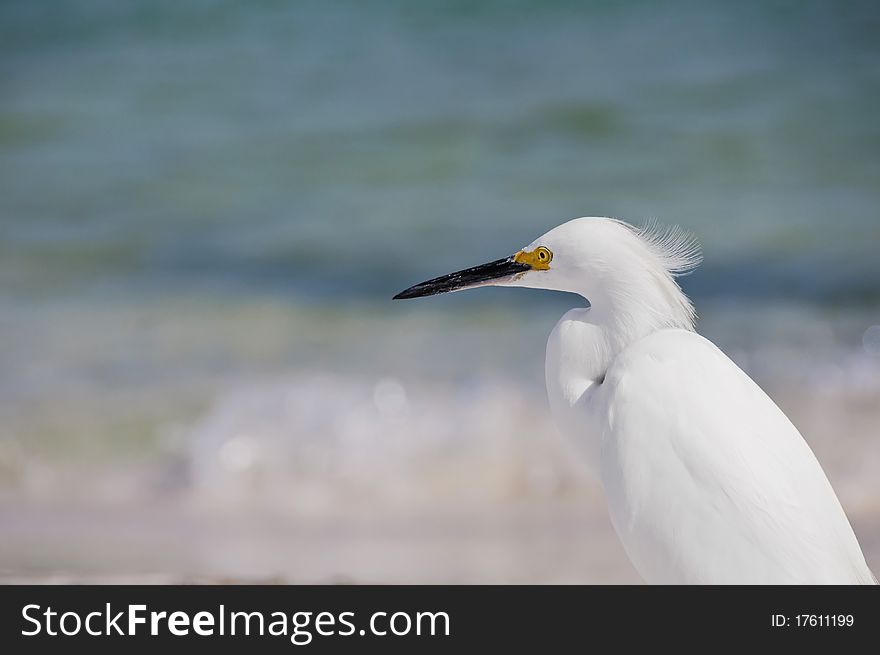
x,y
706,479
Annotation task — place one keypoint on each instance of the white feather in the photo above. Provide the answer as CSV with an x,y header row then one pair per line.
x,y
676,248
707,480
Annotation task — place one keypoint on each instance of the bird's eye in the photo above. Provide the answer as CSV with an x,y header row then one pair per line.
x,y
544,255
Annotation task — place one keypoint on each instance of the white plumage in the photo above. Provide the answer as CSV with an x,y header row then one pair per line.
x,y
707,481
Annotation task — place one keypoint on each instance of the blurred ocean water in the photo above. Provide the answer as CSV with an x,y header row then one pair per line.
x,y
206,207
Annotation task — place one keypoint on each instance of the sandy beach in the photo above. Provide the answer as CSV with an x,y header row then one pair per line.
x,y
518,511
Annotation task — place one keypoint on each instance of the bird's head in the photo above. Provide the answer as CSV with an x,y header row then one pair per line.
x,y
587,256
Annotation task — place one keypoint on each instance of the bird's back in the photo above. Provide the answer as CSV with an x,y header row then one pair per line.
x,y
707,480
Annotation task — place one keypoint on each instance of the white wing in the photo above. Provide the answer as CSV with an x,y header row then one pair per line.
x,y
707,480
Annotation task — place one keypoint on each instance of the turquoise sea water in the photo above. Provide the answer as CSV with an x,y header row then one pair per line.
x,y
325,152
197,198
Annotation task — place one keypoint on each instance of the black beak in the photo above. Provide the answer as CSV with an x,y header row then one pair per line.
x,y
469,277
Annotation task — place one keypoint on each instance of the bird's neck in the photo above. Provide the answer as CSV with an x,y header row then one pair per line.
x,y
631,308
586,342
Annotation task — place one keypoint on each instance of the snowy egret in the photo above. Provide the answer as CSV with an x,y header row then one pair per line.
x,y
706,479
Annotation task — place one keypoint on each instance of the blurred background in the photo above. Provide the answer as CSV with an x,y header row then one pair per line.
x,y
205,208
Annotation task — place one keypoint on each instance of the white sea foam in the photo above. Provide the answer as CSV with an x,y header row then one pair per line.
x,y
316,440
